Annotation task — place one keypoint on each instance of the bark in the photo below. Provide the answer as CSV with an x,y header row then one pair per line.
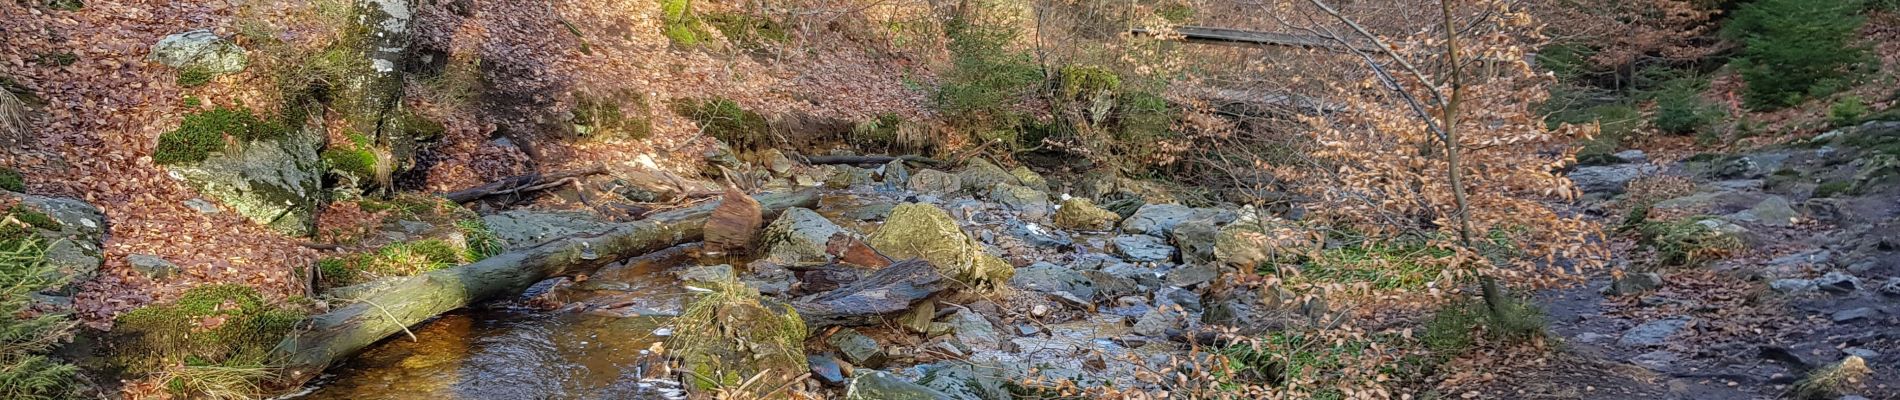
x,y
389,310
518,184
370,98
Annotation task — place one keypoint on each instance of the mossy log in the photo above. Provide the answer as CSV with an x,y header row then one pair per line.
x,y
333,336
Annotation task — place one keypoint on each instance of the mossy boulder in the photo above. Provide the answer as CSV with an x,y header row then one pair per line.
x,y
798,237
200,51
729,335
212,325
1031,203
927,232
273,176
979,175
71,231
935,182
1251,242
1082,215
1030,178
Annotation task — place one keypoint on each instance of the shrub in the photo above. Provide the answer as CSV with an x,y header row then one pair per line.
x,y
988,74
1847,111
26,372
482,242
211,325
1833,188
1680,108
204,132
1795,49
726,120
11,179
1617,121
1682,242
1082,83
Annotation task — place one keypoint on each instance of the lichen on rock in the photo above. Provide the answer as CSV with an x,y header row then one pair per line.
x,y
1081,214
922,231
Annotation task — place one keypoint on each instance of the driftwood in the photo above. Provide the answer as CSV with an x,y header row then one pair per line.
x,y
868,160
520,184
399,303
867,301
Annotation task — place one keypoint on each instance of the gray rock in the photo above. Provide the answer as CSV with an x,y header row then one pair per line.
x,y
1030,178
1157,219
964,381
1038,235
857,348
972,330
826,369
1143,248
1157,322
769,278
1793,285
1193,274
152,266
1631,156
1861,352
707,273
1892,288
1032,204
879,385
1196,240
1838,282
73,247
1658,360
1049,278
528,228
1178,297
894,176
201,50
276,182
1855,314
1609,179
1634,283
1772,211
980,175
798,237
935,182
1652,333
870,212
1241,309
203,206
1813,258
1110,285
1147,276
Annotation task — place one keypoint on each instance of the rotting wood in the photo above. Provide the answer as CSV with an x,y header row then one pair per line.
x,y
520,184
333,336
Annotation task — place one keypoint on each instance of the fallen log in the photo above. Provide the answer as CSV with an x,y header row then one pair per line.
x,y
389,310
519,184
885,292
868,160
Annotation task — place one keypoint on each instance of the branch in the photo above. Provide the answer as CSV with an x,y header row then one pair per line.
x,y
1387,48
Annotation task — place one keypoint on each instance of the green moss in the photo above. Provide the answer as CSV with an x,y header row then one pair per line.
x,y
194,77
1833,188
66,5
1384,266
604,119
1683,242
878,132
1082,82
399,259
1175,11
1847,111
212,325
726,120
11,179
421,128
680,24
482,242
729,334
34,218
203,133
747,31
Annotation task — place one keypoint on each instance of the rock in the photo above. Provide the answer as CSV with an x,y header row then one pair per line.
x,y
1652,333
1793,286
857,348
719,158
798,237
1143,248
528,228
887,291
1240,308
1727,228
769,278
1030,178
870,212
72,240
1031,203
776,161
200,50
1892,288
935,182
1142,275
972,330
1861,352
728,334
964,381
1813,258
151,266
203,206
844,176
1773,211
1658,360
1079,214
923,231
1049,278
707,273
1854,314
1633,283
894,176
1157,322
1178,297
1196,240
1838,282
275,182
1193,274
826,369
1715,202
1631,156
979,175
1157,219
1250,243
1608,180
879,385
1039,236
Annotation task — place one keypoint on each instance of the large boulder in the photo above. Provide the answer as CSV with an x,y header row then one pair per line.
x,y
1082,215
1772,211
932,181
276,182
729,335
1196,240
1159,219
1030,178
879,385
201,51
1031,203
798,237
1609,180
979,175
923,231
1251,242
71,230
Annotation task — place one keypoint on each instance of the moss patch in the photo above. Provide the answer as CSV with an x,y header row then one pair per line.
x,y
205,132
1384,266
1081,82
726,120
353,159
1683,242
604,119
194,77
66,5
729,335
680,24
1833,188
748,32
11,179
212,325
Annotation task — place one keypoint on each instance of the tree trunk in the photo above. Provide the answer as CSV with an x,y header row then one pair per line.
x,y
336,335
370,99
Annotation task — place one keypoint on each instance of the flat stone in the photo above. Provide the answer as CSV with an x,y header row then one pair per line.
x,y
798,237
1031,204
1609,179
1772,211
707,273
1854,314
1838,282
1652,333
1631,156
1793,285
857,348
1157,219
979,175
826,369
1193,274
1196,240
152,266
200,49
935,182
880,385
1143,248
1049,278
1633,283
